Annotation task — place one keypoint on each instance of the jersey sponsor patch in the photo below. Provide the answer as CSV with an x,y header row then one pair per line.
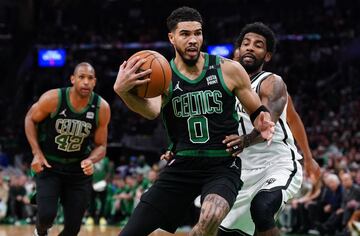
x,y
90,115
212,79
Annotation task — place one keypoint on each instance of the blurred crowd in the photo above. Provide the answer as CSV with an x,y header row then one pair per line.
x,y
318,58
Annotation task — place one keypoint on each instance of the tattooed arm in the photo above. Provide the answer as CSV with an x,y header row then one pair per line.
x,y
273,95
238,82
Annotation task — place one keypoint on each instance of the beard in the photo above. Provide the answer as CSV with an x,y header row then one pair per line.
x,y
188,62
252,67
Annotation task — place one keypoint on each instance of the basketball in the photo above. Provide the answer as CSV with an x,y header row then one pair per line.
x,y
159,77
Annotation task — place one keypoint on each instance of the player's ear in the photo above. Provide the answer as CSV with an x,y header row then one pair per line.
x,y
72,79
171,38
268,56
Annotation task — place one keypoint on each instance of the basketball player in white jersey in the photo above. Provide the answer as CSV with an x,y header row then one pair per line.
x,y
272,173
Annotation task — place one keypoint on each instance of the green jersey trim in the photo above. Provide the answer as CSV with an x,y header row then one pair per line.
x,y
199,78
97,111
203,153
227,90
52,115
72,108
168,97
63,160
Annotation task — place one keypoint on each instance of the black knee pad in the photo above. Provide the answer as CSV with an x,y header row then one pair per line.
x,y
263,208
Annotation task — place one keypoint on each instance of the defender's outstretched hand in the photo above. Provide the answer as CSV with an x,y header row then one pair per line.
x,y
265,126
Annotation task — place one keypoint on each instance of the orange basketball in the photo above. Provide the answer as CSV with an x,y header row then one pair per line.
x,y
160,76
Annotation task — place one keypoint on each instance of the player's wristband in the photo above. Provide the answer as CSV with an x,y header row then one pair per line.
x,y
257,112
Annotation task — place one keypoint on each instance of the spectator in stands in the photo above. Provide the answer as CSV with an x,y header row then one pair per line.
x,y
350,201
103,172
18,199
4,195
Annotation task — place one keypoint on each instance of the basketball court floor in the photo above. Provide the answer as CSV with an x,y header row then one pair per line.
x,y
27,230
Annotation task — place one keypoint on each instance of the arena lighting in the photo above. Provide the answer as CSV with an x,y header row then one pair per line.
x,y
223,50
299,37
51,57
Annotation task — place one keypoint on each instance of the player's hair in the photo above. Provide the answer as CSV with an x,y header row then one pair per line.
x,y
182,14
83,64
261,29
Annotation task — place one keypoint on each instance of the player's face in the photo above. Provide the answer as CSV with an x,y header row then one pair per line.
x,y
253,52
187,40
84,80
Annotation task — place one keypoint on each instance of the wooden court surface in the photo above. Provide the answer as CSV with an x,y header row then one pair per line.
x,y
27,230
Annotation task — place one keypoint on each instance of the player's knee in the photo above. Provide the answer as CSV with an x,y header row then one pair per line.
x,y
46,217
263,209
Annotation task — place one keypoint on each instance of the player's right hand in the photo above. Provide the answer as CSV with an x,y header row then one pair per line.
x,y
312,169
167,156
39,162
265,126
129,76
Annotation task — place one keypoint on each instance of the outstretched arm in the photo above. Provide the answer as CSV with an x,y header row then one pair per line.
x,y
312,169
273,95
127,79
238,81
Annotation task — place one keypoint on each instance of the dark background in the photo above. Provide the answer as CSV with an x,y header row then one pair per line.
x,y
317,56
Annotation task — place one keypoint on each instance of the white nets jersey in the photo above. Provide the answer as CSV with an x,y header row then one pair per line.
x,y
254,156
264,168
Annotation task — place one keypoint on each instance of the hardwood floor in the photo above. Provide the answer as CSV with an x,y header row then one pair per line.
x,y
27,230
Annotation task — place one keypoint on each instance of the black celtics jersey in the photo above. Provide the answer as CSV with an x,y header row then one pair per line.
x,y
199,113
65,135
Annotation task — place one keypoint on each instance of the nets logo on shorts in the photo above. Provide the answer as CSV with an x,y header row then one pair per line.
x,y
270,181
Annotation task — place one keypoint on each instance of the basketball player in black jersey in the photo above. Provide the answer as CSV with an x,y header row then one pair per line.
x,y
198,112
59,128
255,46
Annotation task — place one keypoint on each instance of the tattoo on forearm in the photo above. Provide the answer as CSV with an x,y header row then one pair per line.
x,y
251,138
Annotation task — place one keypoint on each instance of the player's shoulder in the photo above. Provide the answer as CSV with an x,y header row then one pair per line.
x,y
50,96
272,78
271,83
52,93
104,109
269,75
103,103
49,100
231,68
229,64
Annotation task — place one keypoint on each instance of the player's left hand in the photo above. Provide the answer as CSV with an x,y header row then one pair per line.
x,y
312,169
265,126
234,144
87,166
